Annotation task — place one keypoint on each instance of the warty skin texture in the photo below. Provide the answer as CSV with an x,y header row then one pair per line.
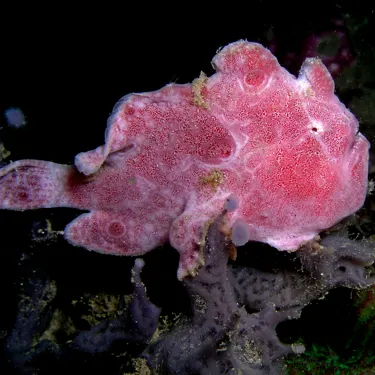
x,y
286,148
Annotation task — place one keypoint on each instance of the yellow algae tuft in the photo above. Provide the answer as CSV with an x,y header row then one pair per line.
x,y
214,179
197,87
140,366
4,153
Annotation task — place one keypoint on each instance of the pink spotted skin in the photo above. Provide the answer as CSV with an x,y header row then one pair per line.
x,y
286,148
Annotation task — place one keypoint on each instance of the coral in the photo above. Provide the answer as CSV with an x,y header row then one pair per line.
x,y
136,325
286,147
236,310
235,313
33,338
26,341
357,357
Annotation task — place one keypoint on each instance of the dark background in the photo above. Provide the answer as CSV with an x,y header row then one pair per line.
x,y
66,67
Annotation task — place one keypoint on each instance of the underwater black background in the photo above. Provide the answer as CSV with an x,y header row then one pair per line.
x,y
66,68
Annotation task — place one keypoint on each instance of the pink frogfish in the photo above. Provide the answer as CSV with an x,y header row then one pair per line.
x,y
282,155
